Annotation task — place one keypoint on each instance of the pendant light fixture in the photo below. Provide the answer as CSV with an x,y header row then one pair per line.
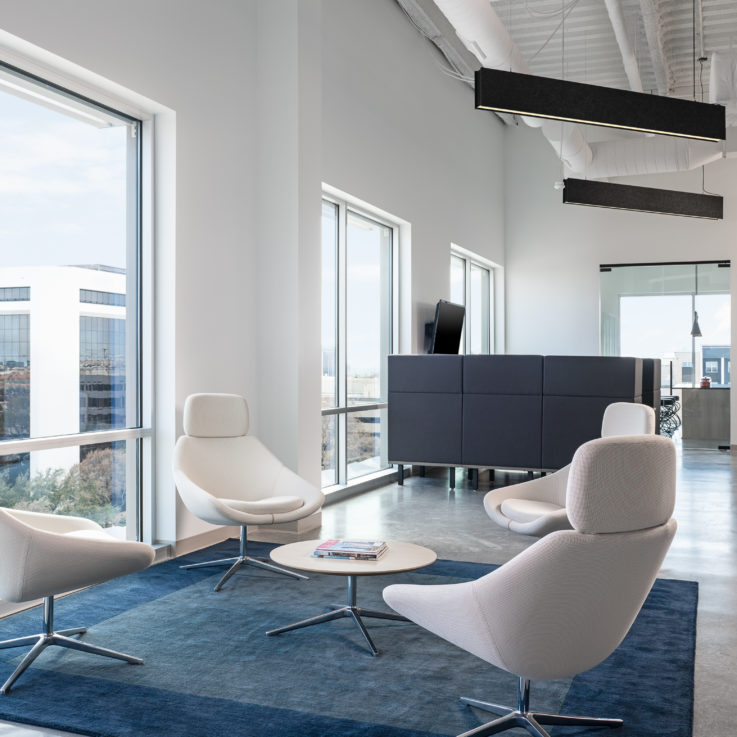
x,y
695,329
642,199
576,102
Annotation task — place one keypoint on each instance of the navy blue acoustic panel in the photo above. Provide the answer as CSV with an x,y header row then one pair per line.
x,y
425,428
502,431
424,412
593,376
426,373
502,411
503,374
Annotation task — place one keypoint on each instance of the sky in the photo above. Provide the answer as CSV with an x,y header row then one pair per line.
x,y
658,326
62,188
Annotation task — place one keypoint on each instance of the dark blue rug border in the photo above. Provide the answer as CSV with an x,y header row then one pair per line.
x,y
122,710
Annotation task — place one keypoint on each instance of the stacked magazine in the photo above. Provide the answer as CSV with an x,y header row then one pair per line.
x,y
351,549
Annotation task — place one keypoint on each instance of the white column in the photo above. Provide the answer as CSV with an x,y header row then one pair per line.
x,y
287,409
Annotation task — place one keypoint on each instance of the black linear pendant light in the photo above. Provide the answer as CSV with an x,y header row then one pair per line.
x,y
546,97
642,199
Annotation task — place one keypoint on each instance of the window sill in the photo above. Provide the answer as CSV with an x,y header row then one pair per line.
x,y
338,492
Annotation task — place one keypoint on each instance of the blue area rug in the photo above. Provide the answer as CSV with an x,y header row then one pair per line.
x,y
210,670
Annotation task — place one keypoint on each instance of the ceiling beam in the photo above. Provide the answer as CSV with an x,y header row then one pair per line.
x,y
652,21
616,17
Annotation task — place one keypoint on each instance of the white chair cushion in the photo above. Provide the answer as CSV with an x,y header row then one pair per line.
x,y
216,416
622,483
527,510
91,535
627,418
270,505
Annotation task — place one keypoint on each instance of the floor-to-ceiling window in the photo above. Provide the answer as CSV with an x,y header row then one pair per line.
x,y
471,285
71,422
358,255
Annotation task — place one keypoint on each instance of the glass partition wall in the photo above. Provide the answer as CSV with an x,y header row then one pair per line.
x,y
651,311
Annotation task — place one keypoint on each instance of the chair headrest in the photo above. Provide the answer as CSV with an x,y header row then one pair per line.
x,y
627,418
215,416
622,484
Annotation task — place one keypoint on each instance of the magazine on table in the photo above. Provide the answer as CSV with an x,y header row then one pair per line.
x,y
351,549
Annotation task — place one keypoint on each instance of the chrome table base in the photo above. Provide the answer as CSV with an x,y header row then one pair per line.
x,y
529,720
349,610
61,639
240,560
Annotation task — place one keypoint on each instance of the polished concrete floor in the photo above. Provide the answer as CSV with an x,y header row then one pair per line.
x,y
454,524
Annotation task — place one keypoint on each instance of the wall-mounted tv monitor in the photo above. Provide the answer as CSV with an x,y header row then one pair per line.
x,y
447,328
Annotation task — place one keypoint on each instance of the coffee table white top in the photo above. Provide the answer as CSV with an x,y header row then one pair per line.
x,y
399,557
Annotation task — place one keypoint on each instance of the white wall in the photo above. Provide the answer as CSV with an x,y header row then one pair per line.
x,y
403,136
554,250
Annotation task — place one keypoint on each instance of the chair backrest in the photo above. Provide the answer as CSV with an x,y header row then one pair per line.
x,y
627,418
216,416
217,453
564,604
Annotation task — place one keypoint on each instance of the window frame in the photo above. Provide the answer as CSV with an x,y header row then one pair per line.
x,y
470,261
139,250
342,409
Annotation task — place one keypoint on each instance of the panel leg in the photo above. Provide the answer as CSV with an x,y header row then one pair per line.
x,y
452,477
400,474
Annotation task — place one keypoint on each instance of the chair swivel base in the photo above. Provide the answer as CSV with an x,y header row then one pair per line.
x,y
532,721
350,610
50,638
243,560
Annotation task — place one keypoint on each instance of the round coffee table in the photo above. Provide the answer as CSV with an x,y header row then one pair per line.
x,y
398,557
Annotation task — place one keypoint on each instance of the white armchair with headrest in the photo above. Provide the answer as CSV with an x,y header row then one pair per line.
x,y
227,477
46,554
567,602
537,507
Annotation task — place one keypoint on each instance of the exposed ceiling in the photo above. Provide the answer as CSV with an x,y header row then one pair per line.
x,y
575,39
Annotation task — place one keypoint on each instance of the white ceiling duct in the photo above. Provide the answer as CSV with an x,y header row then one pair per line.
x,y
485,36
723,84
631,69
656,155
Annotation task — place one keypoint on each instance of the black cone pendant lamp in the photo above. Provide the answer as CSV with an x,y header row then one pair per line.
x,y
695,329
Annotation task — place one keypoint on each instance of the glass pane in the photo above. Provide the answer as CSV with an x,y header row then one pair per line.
x,y
458,291
365,443
712,348
457,280
478,309
86,481
329,304
368,307
649,311
67,284
329,450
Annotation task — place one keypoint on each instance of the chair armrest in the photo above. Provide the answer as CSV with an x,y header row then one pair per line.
x,y
53,522
289,483
208,507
